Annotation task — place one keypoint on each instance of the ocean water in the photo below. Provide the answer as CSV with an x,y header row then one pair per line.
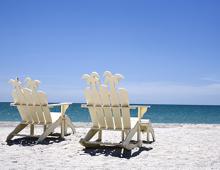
x,y
195,114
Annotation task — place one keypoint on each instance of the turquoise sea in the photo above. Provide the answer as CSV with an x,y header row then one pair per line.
x,y
195,114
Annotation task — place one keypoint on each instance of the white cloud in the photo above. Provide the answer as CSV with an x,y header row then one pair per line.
x,y
139,92
211,79
173,93
148,92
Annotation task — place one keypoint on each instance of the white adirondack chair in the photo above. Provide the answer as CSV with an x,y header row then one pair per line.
x,y
110,110
35,110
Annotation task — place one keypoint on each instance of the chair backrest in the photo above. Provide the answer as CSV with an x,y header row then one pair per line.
x,y
119,101
93,99
20,99
32,104
39,103
108,106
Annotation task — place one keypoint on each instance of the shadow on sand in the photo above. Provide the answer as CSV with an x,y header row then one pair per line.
x,y
30,141
116,151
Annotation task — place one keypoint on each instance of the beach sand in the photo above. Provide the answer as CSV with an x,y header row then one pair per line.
x,y
177,146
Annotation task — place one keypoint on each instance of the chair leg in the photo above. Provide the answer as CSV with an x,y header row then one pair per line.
x,y
152,133
70,124
31,129
65,128
62,127
150,130
122,135
148,136
45,128
99,136
85,141
126,144
139,136
49,130
126,132
18,128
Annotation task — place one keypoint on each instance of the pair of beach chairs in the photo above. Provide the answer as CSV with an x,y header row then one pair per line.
x,y
108,106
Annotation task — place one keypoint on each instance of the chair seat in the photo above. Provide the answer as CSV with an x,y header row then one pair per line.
x,y
55,116
145,121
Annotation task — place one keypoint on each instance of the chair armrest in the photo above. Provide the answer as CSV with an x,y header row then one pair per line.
x,y
141,111
84,106
58,104
130,106
64,107
18,104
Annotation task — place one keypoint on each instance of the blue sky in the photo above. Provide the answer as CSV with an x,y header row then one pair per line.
x,y
168,51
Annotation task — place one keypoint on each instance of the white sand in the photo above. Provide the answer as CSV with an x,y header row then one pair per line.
x,y
176,147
